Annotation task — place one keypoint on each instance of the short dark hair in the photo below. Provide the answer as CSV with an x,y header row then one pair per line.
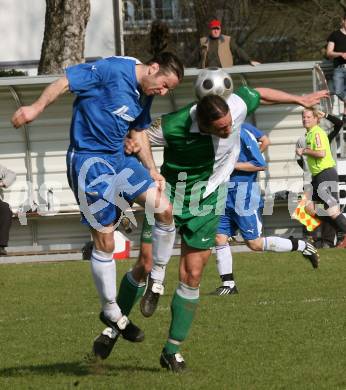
x,y
209,109
169,63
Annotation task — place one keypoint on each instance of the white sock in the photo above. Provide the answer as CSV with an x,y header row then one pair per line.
x,y
163,241
277,244
103,271
158,273
187,292
228,283
224,263
301,245
224,260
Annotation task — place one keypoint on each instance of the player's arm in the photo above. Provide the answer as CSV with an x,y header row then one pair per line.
x,y
26,114
264,143
145,155
248,167
275,96
260,136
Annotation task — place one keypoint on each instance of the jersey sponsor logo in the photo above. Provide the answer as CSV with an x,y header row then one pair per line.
x,y
122,113
188,142
250,230
93,67
205,239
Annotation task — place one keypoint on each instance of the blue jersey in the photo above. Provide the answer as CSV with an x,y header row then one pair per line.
x,y
257,133
243,185
108,102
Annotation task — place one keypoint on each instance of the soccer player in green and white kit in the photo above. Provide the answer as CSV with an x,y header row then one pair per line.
x,y
201,147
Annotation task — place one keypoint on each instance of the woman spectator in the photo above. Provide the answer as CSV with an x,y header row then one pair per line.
x,y
322,168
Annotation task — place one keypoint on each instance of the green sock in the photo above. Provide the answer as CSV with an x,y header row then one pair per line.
x,y
129,293
183,311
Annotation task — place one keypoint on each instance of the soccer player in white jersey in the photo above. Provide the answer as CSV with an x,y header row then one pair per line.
x,y
112,95
201,147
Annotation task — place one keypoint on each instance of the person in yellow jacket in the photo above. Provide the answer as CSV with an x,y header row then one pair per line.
x,y
216,49
325,198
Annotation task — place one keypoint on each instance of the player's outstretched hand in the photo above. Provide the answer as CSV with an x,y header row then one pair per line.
x,y
23,115
159,179
313,98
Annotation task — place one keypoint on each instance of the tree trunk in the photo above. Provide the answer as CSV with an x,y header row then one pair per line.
x,y
64,35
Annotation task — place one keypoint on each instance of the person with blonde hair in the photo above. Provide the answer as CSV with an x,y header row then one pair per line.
x,y
325,198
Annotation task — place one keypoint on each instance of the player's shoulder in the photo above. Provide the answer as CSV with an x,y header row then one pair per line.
x,y
188,111
180,118
123,59
235,101
121,63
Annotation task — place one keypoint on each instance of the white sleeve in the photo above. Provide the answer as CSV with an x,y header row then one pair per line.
x,y
238,110
155,133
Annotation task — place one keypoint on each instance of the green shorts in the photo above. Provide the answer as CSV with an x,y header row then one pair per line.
x,y
196,231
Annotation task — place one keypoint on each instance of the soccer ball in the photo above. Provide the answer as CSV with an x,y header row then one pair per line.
x,y
213,81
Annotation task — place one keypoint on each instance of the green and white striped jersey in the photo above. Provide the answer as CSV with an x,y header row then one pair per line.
x,y
199,157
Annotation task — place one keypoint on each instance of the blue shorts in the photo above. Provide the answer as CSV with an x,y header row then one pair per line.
x,y
103,187
250,227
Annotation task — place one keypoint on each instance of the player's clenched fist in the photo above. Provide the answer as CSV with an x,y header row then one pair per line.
x,y
24,115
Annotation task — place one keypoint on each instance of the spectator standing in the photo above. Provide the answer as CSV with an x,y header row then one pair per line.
x,y
336,51
216,50
7,178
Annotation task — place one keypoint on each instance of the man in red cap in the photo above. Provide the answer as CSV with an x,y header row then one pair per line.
x,y
216,49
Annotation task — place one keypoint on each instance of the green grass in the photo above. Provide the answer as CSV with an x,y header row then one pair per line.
x,y
285,330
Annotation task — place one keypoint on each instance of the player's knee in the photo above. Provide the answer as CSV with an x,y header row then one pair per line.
x,y
166,216
221,239
108,247
105,245
193,277
255,245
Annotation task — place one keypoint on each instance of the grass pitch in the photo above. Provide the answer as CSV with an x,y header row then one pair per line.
x,y
285,330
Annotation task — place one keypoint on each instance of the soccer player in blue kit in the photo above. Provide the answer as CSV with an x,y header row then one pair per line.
x,y
243,212
113,95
